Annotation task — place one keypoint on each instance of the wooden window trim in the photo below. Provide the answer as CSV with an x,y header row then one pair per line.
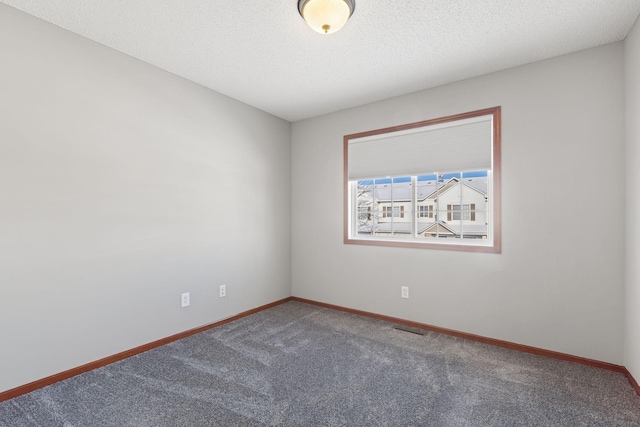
x,y
496,176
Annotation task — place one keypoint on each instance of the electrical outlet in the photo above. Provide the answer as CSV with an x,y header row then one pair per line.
x,y
185,300
404,291
223,291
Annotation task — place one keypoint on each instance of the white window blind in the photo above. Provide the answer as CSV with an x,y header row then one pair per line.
x,y
456,146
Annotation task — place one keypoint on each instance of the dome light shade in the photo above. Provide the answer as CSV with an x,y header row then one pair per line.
x,y
326,16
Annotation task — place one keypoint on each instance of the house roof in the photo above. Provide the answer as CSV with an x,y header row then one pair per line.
x,y
424,227
401,192
457,228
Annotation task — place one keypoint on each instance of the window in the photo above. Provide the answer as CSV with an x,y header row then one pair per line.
x,y
467,213
432,184
393,211
425,211
364,213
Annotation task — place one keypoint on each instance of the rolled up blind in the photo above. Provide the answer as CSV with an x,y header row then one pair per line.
x,y
456,146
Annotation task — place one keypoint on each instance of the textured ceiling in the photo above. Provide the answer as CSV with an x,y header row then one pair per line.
x,y
262,53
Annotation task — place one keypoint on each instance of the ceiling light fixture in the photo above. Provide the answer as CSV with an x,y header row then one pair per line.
x,y
326,16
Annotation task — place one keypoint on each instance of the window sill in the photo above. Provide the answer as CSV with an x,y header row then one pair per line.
x,y
479,245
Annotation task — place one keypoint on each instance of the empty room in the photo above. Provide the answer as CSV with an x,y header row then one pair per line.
x,y
319,213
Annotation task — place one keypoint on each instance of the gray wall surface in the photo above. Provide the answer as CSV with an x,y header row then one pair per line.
x,y
632,296
122,186
559,282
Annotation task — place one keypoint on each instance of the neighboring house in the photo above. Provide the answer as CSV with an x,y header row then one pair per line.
x,y
456,207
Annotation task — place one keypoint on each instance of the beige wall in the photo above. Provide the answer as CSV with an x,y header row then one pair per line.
x,y
558,284
122,186
632,296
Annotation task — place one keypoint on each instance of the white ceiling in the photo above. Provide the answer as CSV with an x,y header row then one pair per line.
x,y
262,53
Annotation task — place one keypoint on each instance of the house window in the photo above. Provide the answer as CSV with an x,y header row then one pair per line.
x,y
415,184
364,213
461,212
425,211
393,211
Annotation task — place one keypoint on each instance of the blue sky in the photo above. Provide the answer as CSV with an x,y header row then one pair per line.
x,y
445,177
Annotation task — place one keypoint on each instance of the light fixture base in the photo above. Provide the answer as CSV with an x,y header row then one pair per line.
x,y
350,3
326,16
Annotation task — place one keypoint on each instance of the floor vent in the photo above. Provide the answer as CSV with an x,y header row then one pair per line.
x,y
409,329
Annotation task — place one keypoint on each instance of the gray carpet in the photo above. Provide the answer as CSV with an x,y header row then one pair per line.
x,y
301,365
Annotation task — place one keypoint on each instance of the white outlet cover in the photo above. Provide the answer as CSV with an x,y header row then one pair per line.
x,y
185,300
404,291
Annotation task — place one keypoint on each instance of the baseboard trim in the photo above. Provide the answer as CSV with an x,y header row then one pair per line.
x,y
35,385
478,338
632,380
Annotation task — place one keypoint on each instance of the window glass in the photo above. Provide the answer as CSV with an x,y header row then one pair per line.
x,y
420,210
